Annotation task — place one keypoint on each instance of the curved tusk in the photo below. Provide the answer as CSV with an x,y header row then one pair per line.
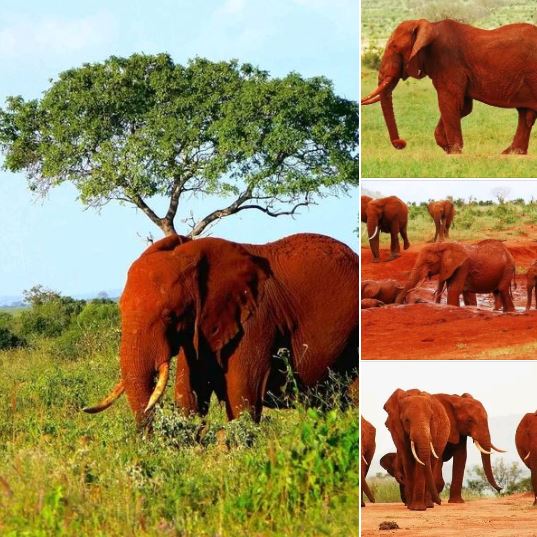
x,y
527,456
374,234
364,459
373,100
484,451
163,374
498,449
116,392
413,448
380,88
433,451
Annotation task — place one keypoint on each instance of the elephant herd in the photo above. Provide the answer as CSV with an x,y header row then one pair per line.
x,y
463,269
431,429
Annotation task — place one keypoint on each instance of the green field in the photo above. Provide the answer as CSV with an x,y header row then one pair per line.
x,y
487,130
63,472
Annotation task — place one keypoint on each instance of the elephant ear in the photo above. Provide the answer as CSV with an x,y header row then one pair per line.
x,y
422,36
166,244
447,402
230,286
452,258
393,409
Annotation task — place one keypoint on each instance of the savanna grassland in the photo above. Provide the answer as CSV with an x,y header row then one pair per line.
x,y
487,130
510,220
63,472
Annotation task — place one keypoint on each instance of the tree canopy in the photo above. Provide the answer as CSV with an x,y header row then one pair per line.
x,y
131,129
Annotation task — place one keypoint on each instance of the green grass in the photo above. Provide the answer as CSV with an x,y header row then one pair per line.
x,y
487,132
63,472
472,221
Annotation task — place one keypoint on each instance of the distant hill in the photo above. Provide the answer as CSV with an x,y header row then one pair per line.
x,y
14,301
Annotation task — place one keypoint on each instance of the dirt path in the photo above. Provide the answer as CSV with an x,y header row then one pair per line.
x,y
430,331
513,516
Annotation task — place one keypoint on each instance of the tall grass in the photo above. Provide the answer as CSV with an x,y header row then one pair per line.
x,y
63,472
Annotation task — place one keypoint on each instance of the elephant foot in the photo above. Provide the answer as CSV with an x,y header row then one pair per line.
x,y
362,504
514,151
535,502
417,506
376,260
393,256
430,505
456,500
406,245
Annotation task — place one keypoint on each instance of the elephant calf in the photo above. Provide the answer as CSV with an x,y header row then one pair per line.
x,y
442,213
384,290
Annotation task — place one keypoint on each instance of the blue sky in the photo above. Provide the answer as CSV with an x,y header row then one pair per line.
x,y
56,242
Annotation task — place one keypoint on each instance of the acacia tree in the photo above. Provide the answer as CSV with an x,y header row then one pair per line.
x,y
133,129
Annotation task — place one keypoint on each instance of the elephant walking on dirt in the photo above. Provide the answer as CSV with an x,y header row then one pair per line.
x,y
467,418
225,309
485,267
419,427
389,215
496,67
526,445
531,284
367,450
442,213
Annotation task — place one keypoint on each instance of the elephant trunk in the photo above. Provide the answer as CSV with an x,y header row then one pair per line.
x,y
366,490
424,451
415,278
487,467
484,445
386,103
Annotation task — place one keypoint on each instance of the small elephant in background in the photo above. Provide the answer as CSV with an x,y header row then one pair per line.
x,y
384,290
368,303
485,267
442,212
526,445
367,450
390,462
389,215
531,284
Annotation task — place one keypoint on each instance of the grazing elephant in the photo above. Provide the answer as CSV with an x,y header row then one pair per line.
x,y
389,215
442,213
390,462
496,67
485,267
419,426
467,418
384,290
526,445
367,450
224,309
531,284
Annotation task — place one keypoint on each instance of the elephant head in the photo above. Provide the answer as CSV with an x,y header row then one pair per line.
x,y
413,424
441,259
526,445
181,293
404,56
374,213
468,417
364,201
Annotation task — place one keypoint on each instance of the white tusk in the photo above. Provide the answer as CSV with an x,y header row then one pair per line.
x,y
433,451
498,449
412,447
363,458
484,451
374,234
527,456
163,373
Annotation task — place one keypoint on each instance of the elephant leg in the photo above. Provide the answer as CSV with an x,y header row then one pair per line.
x,y
192,387
497,301
535,297
521,140
459,463
507,300
417,501
453,107
530,294
469,298
395,249
440,135
453,295
404,236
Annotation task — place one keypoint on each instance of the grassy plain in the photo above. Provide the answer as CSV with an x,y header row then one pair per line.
x,y
63,472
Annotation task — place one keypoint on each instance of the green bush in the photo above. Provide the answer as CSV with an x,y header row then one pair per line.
x,y
8,336
371,57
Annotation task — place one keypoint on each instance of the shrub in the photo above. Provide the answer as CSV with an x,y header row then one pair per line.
x,y
371,57
8,336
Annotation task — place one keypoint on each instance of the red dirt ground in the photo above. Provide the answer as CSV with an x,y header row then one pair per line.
x,y
512,516
431,331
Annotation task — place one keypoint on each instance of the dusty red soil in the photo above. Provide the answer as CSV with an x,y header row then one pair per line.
x,y
431,331
512,516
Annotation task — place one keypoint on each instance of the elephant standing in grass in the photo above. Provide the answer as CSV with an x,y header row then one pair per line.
x,y
496,67
419,427
531,284
526,445
485,267
225,309
367,450
467,418
442,213
389,215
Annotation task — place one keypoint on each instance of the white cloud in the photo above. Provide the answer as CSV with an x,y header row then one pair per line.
x,y
54,35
